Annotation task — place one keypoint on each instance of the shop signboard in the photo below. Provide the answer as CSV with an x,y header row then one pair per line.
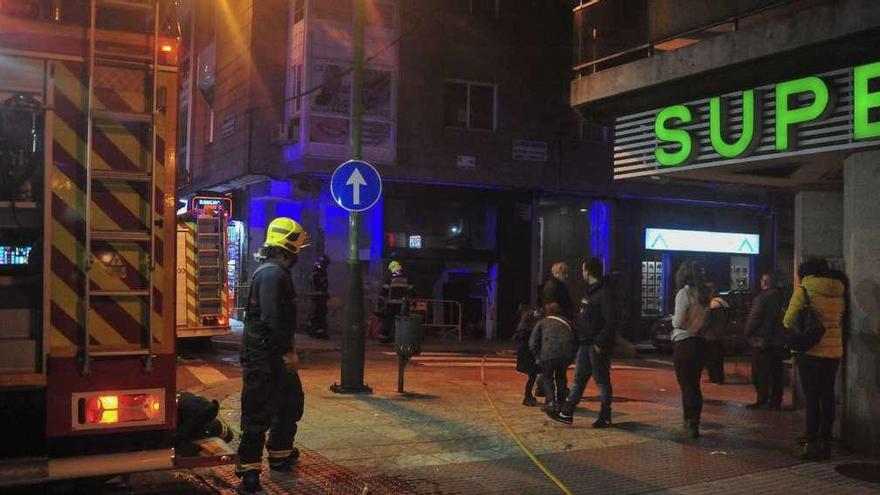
x,y
832,111
700,241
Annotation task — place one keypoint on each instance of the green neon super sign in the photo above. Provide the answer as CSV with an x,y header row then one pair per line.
x,y
799,101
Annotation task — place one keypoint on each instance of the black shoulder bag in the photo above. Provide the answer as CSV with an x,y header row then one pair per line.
x,y
808,328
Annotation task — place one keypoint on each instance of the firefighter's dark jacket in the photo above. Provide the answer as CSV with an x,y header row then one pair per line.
x,y
271,314
596,316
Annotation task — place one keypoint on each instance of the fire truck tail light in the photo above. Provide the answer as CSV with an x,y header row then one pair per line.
x,y
119,409
166,48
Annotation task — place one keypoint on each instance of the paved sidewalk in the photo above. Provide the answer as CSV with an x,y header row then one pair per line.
x,y
443,438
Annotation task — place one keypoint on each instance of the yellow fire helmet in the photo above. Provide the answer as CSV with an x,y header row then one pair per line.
x,y
394,266
288,234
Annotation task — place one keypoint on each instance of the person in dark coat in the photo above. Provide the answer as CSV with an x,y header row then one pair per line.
x,y
717,321
554,343
318,322
525,358
597,333
272,395
556,291
765,332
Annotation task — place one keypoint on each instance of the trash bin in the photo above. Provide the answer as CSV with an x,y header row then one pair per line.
x,y
407,342
408,335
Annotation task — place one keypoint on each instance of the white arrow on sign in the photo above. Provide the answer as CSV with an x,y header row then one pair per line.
x,y
356,180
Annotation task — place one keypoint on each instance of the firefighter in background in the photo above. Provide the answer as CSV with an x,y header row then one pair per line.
x,y
272,394
317,327
395,292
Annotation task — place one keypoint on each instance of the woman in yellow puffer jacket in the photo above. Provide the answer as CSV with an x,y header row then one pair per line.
x,y
818,366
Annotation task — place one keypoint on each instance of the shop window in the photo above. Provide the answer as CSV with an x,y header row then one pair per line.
x,y
434,225
470,105
652,283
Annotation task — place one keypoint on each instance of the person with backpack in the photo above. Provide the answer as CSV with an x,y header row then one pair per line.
x,y
554,343
814,320
525,359
597,333
688,344
764,331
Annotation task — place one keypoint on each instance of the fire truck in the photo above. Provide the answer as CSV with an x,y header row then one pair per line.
x,y
202,284
88,127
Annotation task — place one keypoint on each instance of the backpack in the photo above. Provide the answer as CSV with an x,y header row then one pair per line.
x,y
808,328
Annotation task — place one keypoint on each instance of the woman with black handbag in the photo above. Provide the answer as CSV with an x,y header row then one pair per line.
x,y
814,320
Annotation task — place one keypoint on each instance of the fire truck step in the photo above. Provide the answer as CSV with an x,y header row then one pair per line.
x,y
121,235
125,117
107,58
129,5
118,352
120,293
122,176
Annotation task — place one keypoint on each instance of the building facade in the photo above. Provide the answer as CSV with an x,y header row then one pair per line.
x,y
489,175
779,96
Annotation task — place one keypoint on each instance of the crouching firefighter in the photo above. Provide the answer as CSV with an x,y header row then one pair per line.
x,y
272,394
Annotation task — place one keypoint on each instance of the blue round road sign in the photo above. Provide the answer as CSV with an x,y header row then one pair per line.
x,y
356,185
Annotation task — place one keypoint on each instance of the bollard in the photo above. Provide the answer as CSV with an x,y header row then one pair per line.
x,y
407,342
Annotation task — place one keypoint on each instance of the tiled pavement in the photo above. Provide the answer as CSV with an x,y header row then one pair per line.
x,y
443,437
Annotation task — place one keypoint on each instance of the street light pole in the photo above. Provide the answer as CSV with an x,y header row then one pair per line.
x,y
352,359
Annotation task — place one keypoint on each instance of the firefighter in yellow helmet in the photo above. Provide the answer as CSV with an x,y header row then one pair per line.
x,y
272,394
395,292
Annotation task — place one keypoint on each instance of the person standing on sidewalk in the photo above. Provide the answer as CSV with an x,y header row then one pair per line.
x,y
689,347
817,367
597,332
556,291
554,343
525,359
320,287
764,331
396,292
714,331
272,396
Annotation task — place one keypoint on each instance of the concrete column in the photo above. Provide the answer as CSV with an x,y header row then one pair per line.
x,y
818,230
861,371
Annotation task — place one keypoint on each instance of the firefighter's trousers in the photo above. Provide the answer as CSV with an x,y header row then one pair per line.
x,y
271,400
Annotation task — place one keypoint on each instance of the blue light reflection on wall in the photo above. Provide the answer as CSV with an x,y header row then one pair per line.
x,y
281,188
600,232
290,209
257,213
376,219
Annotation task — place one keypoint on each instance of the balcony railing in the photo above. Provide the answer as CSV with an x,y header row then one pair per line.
x,y
595,52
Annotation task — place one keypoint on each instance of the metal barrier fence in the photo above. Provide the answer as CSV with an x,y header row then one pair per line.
x,y
439,313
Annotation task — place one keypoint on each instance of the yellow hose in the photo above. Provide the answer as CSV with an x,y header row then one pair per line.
x,y
515,437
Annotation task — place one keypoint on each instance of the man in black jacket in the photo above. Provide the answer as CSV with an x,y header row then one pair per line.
x,y
317,327
764,331
272,394
597,332
556,291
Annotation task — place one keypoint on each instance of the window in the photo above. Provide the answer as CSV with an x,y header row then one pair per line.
x,y
470,105
488,9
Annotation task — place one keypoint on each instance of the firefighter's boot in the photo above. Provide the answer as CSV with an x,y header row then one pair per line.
x,y
283,461
250,480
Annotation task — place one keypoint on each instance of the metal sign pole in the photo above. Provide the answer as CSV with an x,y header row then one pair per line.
x,y
352,359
